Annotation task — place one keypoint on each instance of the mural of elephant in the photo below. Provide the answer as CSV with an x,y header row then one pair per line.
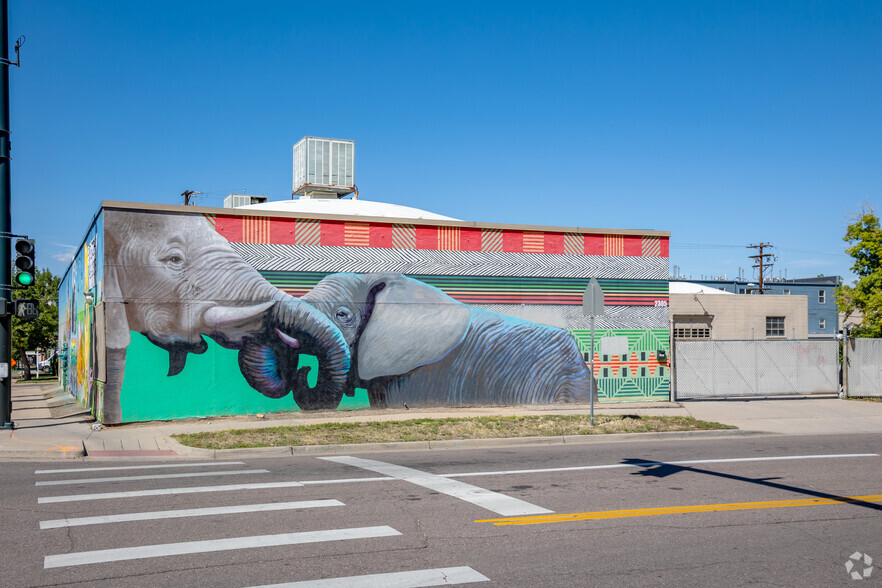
x,y
411,343
174,279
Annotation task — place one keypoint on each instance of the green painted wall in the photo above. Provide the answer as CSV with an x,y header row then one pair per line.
x,y
210,385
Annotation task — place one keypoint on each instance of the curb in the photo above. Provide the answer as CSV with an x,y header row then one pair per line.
x,y
41,455
306,450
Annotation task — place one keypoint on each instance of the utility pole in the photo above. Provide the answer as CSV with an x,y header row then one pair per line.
x,y
5,227
188,196
761,262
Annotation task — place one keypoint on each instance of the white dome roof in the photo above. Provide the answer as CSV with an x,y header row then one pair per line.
x,y
347,207
693,288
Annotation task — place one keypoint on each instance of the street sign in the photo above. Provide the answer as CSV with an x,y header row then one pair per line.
x,y
26,309
592,299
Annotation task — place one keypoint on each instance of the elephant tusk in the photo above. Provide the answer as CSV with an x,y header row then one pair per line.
x,y
288,339
222,316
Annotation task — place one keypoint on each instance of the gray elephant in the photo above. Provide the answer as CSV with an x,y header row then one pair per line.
x,y
174,279
411,343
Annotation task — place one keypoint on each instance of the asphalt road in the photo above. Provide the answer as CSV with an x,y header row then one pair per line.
x,y
422,512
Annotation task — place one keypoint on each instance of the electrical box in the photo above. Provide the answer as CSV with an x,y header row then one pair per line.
x,y
324,167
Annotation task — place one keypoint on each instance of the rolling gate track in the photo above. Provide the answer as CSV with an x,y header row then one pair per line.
x,y
718,369
864,367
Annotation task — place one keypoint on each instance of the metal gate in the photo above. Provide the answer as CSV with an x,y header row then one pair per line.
x,y
715,369
864,367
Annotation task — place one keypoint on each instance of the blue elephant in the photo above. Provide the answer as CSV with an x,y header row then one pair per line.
x,y
410,343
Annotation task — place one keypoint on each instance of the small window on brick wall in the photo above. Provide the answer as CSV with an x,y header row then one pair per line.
x,y
691,333
774,326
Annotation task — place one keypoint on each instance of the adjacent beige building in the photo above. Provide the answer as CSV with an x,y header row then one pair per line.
x,y
711,314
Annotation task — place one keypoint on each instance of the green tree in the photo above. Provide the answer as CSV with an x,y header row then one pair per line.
x,y
28,335
865,237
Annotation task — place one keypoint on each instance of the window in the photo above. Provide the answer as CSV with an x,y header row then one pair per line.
x,y
822,297
642,356
642,372
774,326
605,372
822,324
624,372
741,290
787,291
661,371
692,333
624,357
605,358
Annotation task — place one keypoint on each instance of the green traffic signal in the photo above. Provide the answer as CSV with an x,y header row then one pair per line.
x,y
24,278
24,262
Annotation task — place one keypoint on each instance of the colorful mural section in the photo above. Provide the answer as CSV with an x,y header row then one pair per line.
x,y
79,292
643,373
221,315
379,235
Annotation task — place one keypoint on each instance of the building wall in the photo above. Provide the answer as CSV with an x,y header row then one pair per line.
x,y
741,316
433,312
818,311
77,335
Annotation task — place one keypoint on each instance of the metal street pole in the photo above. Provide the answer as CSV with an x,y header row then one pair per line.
x,y
5,225
593,383
593,306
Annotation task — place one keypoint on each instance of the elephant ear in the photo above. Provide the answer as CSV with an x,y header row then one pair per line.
x,y
412,324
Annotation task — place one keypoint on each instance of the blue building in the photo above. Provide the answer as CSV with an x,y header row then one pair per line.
x,y
823,316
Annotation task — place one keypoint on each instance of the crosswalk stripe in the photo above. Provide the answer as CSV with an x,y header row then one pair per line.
x,y
189,512
141,467
166,491
150,477
189,547
412,579
493,501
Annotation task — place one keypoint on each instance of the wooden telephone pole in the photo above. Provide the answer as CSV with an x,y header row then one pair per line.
x,y
761,263
189,195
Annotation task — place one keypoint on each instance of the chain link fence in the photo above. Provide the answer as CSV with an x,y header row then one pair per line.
x,y
864,367
716,369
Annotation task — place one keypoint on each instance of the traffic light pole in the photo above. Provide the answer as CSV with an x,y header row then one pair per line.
x,y
5,225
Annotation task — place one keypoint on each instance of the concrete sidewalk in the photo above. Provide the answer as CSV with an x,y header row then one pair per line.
x,y
49,425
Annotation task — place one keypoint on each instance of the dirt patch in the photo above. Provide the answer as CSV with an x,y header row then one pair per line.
x,y
489,427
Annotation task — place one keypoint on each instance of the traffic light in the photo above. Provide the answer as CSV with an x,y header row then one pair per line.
x,y
24,262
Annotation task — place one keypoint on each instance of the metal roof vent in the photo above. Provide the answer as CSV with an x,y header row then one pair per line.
x,y
237,200
324,168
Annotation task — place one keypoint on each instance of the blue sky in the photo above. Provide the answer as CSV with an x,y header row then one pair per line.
x,y
724,123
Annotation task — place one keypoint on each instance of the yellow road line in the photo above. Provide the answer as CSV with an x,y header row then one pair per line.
x,y
644,512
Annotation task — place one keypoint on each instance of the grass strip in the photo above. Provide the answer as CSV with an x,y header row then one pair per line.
x,y
427,429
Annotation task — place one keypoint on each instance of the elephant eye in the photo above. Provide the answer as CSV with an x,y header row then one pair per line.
x,y
343,315
174,258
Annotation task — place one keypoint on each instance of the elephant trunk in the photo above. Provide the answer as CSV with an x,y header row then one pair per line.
x,y
272,360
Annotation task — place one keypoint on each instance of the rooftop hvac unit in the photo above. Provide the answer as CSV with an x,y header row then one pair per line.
x,y
237,200
324,167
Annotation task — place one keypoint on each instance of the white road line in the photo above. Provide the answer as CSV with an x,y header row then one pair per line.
x,y
189,512
345,480
492,501
146,551
652,463
152,477
142,467
166,491
414,579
